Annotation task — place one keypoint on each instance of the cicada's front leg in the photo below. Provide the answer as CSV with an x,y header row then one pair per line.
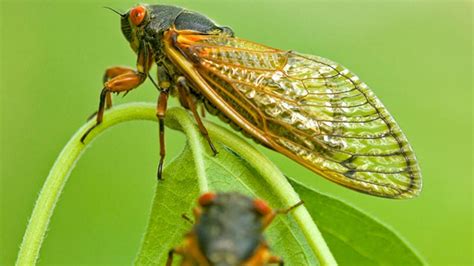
x,y
111,73
189,103
120,79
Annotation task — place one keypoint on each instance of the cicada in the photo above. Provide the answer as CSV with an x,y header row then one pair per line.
x,y
306,107
228,231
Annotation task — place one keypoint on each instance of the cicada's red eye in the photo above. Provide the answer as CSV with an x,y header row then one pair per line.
x,y
262,207
206,198
137,15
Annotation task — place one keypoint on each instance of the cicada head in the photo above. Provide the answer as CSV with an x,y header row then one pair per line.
x,y
133,24
147,23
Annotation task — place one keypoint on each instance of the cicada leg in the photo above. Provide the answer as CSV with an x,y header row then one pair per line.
x,y
121,83
178,250
124,80
263,256
160,114
189,103
267,220
109,74
276,259
203,111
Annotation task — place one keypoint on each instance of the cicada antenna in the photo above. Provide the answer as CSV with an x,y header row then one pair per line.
x,y
115,11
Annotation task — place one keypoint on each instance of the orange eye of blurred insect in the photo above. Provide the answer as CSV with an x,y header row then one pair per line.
x,y
262,207
137,15
206,198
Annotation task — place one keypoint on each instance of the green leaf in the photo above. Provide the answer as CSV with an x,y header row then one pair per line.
x,y
354,237
177,195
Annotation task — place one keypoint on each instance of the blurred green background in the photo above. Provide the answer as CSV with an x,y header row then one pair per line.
x,y
416,56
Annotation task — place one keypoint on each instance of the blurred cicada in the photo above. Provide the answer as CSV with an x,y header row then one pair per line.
x,y
308,108
228,230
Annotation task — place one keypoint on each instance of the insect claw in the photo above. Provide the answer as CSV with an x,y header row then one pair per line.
x,y
214,150
125,94
159,173
87,133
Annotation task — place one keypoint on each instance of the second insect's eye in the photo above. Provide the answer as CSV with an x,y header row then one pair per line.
x,y
137,15
206,199
262,207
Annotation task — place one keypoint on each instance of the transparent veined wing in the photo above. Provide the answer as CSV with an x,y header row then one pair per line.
x,y
309,108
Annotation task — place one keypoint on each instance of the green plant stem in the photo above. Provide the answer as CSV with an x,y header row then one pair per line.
x,y
280,184
59,173
57,178
179,119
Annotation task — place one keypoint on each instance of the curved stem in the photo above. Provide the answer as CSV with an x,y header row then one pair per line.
x,y
57,178
178,118
59,173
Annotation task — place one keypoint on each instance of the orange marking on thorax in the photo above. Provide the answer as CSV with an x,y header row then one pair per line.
x,y
190,39
195,38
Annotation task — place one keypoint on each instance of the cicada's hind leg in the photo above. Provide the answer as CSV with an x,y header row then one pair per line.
x,y
187,102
